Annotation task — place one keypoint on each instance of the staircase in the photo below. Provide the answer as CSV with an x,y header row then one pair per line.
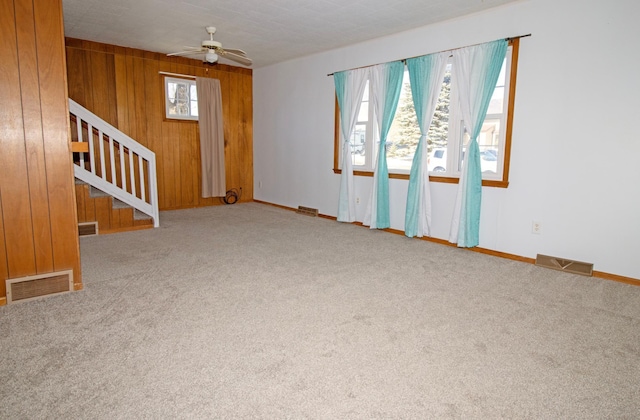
x,y
100,213
116,187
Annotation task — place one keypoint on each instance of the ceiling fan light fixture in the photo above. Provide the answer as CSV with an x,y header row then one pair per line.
x,y
209,50
211,57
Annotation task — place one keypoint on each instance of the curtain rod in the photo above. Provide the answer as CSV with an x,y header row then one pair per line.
x,y
176,74
451,49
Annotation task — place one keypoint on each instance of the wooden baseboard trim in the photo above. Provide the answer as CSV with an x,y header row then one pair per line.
x,y
125,229
3,301
598,274
615,277
212,204
287,208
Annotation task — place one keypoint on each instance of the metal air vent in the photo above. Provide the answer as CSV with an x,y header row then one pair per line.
x,y
563,264
41,285
308,211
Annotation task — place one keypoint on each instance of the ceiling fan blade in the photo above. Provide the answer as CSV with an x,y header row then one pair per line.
x,y
236,52
237,58
193,51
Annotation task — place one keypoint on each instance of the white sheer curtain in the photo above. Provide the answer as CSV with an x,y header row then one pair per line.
x,y
211,137
426,74
349,90
475,72
386,83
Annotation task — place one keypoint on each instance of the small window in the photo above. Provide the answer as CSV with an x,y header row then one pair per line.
x,y
181,99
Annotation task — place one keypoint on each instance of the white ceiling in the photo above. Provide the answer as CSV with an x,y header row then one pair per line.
x,y
270,31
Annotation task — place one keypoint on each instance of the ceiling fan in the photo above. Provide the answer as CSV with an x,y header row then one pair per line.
x,y
212,49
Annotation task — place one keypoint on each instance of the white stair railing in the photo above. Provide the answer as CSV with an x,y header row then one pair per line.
x,y
115,163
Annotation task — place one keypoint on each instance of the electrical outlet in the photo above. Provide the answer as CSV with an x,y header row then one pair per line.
x,y
357,200
536,227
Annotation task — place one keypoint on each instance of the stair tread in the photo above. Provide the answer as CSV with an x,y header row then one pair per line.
x,y
95,192
138,215
117,204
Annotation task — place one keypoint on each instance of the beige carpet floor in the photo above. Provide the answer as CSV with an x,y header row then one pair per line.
x,y
249,311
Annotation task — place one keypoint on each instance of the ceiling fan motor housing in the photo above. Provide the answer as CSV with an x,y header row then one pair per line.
x,y
211,44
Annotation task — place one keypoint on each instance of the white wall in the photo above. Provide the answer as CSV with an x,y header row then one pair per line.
x,y
575,162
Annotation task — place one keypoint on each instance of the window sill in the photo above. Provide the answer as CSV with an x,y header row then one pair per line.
x,y
442,179
179,120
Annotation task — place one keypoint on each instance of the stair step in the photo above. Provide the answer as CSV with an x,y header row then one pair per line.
x,y
95,192
138,215
119,217
117,204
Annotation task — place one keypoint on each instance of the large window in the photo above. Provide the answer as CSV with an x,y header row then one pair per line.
x,y
181,98
447,137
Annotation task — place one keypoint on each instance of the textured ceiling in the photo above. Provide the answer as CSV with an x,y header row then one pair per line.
x,y
270,31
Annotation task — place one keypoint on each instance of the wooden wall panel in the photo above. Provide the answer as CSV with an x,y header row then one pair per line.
x,y
154,106
55,128
130,80
121,91
77,90
33,138
4,270
37,202
14,185
100,83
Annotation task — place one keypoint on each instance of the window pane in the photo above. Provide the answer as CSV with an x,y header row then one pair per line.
x,y
466,137
502,75
438,134
194,100
497,99
437,160
363,114
404,133
171,91
357,145
182,99
488,142
171,97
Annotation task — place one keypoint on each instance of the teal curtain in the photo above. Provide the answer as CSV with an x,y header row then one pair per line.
x,y
426,74
349,90
386,84
475,73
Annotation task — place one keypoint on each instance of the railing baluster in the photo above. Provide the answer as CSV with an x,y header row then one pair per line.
x,y
112,160
79,129
153,189
92,150
142,179
103,167
123,175
132,173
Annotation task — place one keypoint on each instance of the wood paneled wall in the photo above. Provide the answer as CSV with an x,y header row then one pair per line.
x,y
38,227
124,87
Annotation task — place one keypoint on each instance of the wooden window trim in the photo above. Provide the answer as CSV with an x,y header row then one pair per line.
x,y
504,183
